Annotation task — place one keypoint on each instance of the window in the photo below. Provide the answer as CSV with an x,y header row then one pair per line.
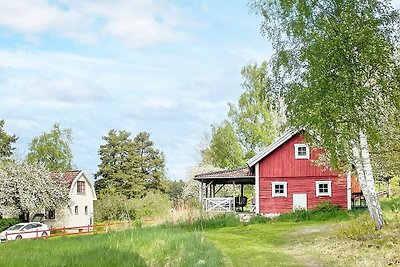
x,y
323,188
301,151
81,187
279,189
86,210
50,214
76,210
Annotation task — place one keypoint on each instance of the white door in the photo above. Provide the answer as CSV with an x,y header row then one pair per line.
x,y
300,201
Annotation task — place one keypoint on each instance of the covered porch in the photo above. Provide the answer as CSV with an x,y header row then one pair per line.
x,y
223,191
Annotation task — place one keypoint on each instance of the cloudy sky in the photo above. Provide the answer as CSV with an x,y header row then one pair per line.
x,y
166,67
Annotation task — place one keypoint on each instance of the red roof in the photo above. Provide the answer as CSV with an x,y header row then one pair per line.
x,y
69,176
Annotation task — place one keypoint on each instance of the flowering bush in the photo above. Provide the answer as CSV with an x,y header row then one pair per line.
x,y
28,187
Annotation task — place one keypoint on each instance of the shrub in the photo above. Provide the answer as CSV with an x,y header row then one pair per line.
x,y
321,212
119,207
6,223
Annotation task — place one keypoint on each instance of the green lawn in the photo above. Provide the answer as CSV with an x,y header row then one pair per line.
x,y
140,247
223,241
255,245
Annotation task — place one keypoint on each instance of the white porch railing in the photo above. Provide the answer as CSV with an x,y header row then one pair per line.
x,y
224,204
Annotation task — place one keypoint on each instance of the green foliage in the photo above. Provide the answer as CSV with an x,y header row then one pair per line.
x,y
252,122
6,142
52,149
175,191
8,222
225,150
254,117
322,212
336,64
120,207
129,167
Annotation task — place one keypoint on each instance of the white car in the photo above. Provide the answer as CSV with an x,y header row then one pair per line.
x,y
25,230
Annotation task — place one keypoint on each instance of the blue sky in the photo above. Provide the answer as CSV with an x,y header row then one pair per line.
x,y
166,67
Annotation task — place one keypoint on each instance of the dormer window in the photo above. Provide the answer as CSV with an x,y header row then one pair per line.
x,y
80,187
301,151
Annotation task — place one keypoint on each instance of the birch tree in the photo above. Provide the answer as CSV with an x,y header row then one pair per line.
x,y
53,149
336,65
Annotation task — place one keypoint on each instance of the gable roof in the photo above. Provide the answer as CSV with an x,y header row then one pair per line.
x,y
242,175
269,149
68,176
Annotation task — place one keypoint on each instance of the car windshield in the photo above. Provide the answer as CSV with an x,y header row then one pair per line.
x,y
15,227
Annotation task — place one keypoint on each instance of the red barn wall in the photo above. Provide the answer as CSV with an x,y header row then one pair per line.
x,y
300,175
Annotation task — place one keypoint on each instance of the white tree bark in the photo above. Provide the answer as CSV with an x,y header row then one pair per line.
x,y
365,176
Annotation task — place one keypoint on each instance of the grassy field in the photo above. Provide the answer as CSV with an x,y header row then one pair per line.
x,y
140,247
317,238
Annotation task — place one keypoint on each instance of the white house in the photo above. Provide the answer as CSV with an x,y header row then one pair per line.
x,y
79,211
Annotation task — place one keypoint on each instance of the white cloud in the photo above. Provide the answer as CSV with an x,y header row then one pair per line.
x,y
133,23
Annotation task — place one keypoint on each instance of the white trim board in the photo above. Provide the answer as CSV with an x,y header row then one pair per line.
x,y
266,151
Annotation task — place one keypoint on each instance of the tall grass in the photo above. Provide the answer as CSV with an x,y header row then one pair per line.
x,y
138,247
208,221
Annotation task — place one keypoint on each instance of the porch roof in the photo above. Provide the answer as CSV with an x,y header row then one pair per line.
x,y
242,175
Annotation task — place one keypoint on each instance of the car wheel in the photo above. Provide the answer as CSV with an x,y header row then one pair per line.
x,y
18,237
44,234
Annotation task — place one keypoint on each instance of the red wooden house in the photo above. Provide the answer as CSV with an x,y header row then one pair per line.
x,y
286,177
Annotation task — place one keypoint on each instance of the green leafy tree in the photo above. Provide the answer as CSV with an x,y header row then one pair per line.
x,y
129,167
336,65
6,142
175,191
254,117
225,150
52,149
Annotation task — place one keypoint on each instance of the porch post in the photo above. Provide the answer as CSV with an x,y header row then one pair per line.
x,y
348,182
257,187
234,196
201,192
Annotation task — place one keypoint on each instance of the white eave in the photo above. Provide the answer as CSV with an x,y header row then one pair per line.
x,y
266,151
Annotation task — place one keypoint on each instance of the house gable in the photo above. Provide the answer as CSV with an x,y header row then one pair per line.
x,y
282,176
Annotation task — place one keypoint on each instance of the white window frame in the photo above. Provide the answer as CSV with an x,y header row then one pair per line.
x,y
296,154
323,194
284,194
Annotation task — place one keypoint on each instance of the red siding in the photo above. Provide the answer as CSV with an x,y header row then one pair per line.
x,y
300,175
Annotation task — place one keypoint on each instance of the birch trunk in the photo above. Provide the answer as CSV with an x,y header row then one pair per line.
x,y
366,179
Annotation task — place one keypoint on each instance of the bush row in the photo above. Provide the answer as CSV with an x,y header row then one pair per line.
x,y
5,223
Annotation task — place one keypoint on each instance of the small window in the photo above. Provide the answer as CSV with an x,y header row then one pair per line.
x,y
76,210
279,189
301,151
323,188
50,214
81,187
86,210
